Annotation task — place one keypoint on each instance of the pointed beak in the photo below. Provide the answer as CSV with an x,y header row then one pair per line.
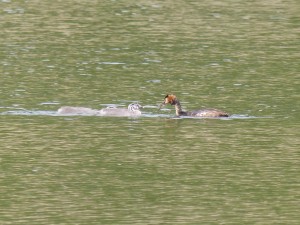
x,y
161,105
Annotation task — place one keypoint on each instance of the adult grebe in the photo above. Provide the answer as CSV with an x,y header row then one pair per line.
x,y
172,99
132,110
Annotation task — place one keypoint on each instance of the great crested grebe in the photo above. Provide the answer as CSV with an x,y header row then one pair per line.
x,y
132,110
70,110
172,99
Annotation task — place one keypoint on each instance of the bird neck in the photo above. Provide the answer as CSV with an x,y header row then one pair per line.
x,y
179,111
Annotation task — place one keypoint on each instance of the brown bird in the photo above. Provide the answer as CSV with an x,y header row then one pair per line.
x,y
173,100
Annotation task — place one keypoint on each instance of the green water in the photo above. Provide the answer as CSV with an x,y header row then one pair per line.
x,y
242,57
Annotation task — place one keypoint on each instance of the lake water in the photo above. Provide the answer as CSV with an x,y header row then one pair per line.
x,y
242,57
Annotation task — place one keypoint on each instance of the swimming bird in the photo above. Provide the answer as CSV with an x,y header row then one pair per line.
x,y
132,110
70,110
173,100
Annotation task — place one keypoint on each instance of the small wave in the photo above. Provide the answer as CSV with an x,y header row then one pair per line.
x,y
24,112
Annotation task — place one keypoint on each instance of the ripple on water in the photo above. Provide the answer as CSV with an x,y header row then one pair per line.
x,y
25,112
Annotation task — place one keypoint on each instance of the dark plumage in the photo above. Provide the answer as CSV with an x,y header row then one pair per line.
x,y
172,99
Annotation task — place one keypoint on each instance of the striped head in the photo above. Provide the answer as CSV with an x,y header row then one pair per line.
x,y
134,107
169,99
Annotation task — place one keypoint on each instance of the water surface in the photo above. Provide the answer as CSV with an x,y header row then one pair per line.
x,y
241,57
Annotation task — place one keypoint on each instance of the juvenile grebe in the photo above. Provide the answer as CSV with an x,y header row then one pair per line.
x,y
132,110
172,99
70,110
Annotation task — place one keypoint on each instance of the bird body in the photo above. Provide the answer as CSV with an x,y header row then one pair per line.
x,y
132,110
70,110
173,100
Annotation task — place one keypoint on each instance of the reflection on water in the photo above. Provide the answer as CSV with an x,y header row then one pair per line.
x,y
239,56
